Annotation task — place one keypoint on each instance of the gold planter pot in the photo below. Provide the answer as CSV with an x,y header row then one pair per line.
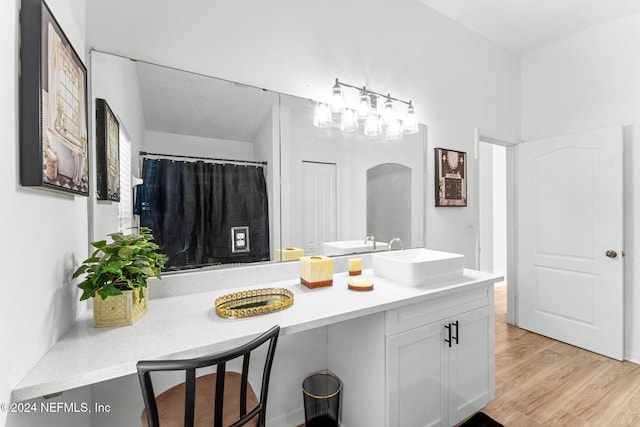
x,y
119,310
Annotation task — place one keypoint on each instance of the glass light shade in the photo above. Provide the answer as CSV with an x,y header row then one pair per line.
x,y
349,121
393,131
364,106
410,123
322,115
337,99
372,126
389,112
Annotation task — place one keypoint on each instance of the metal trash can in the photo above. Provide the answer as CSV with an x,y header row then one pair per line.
x,y
321,393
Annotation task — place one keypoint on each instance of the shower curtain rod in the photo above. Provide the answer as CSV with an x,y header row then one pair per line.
x,y
211,159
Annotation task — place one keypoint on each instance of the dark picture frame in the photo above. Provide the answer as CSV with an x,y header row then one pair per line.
x,y
54,145
107,152
451,177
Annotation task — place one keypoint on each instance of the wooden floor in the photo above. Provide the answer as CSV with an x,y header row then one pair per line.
x,y
543,382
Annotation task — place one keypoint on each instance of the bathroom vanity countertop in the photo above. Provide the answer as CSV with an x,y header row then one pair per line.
x,y
187,326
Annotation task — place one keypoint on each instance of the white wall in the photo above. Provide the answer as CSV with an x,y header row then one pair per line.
x,y
499,209
486,204
589,80
44,233
493,208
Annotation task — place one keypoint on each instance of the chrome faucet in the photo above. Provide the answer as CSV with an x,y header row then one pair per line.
x,y
369,237
394,240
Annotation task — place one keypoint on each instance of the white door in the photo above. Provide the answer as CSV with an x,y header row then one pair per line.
x,y
319,206
570,222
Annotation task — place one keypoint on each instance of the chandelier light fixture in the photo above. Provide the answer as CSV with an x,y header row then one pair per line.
x,y
374,121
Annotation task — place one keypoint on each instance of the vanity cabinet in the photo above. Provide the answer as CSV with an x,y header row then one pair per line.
x,y
439,360
399,370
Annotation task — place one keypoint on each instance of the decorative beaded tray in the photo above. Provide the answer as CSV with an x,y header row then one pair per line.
x,y
253,302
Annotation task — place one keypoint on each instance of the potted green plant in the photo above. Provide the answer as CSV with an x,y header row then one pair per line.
x,y
117,273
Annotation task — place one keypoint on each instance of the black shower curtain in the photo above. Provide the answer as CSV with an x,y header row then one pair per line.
x,y
192,206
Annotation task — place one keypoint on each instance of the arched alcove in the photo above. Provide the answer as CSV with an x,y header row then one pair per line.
x,y
389,202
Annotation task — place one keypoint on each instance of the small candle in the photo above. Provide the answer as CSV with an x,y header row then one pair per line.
x,y
355,266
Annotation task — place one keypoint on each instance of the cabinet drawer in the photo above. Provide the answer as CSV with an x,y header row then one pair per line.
x,y
414,315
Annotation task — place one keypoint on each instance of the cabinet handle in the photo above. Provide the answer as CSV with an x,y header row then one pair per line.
x,y
448,328
457,332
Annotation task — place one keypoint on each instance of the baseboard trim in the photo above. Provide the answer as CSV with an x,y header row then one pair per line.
x,y
632,357
291,418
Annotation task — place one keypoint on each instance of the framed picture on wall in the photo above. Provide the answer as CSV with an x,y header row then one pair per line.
x,y
107,152
53,105
451,177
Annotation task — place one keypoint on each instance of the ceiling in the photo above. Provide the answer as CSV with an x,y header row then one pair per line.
x,y
521,26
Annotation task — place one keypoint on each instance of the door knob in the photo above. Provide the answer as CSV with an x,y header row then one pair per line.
x,y
611,253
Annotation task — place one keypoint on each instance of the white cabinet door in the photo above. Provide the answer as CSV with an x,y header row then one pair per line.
x,y
415,377
440,373
471,363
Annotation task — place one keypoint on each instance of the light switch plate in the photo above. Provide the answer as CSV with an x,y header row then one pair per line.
x,y
240,239
470,227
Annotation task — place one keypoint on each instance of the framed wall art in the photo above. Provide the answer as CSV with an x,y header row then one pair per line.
x,y
107,152
53,105
451,177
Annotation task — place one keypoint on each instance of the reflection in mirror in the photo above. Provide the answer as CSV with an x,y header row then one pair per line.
x,y
319,184
389,202
209,164
333,197
203,212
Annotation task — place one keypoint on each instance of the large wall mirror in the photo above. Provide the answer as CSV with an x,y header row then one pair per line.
x,y
290,188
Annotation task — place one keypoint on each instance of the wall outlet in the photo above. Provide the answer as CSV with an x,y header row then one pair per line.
x,y
470,227
240,239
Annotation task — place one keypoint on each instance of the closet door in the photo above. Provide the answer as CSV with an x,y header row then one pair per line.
x,y
319,206
415,377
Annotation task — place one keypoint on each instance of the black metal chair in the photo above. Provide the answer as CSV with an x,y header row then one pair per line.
x,y
220,399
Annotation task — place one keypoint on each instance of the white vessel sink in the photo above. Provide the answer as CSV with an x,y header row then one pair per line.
x,y
417,267
346,247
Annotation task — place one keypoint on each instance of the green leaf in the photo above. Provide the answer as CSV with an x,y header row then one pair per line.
x,y
100,244
117,237
109,292
141,294
81,270
86,294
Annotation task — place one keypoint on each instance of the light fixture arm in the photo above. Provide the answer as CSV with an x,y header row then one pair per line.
x,y
368,91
